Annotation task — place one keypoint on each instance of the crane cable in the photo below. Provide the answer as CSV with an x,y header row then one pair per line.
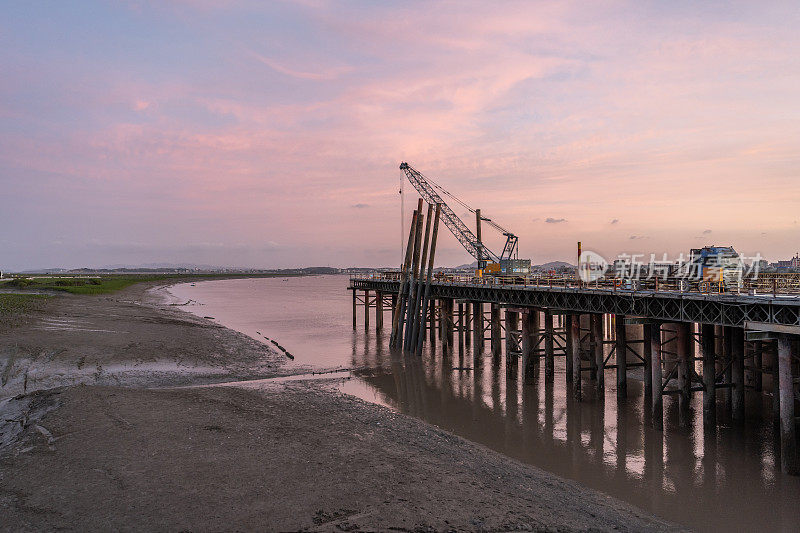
x,y
496,226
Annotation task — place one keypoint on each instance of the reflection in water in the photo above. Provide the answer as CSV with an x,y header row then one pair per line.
x,y
707,480
722,479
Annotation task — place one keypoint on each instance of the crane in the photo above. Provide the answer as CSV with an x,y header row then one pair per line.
x,y
427,188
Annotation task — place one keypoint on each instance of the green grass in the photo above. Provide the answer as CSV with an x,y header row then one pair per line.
x,y
105,284
12,304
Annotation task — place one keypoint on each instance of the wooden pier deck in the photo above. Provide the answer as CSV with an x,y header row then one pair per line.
x,y
722,346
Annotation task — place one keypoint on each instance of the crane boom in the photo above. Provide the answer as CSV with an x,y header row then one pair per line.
x,y
456,226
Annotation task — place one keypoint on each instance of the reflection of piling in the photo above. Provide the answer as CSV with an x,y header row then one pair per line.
x,y
788,437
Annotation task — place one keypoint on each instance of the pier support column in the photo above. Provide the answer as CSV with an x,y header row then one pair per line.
x,y
432,330
758,366
468,325
707,346
568,346
461,325
789,460
737,374
354,309
647,355
477,329
549,361
658,399
575,334
496,340
512,344
366,310
598,352
621,348
394,304
528,357
684,360
727,353
446,307
512,325
378,310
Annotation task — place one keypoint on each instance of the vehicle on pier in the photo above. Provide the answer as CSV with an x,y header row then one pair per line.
x,y
714,268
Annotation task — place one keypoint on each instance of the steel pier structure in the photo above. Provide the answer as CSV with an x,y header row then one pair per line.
x,y
678,343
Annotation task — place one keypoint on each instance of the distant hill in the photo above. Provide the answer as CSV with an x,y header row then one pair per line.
x,y
554,265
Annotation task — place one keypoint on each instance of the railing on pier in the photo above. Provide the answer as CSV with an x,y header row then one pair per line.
x,y
775,284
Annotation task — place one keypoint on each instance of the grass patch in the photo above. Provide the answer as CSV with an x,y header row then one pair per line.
x,y
105,284
12,304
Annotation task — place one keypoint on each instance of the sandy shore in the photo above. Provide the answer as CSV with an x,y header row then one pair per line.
x,y
101,444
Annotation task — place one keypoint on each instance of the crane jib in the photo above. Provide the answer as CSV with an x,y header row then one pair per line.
x,y
457,226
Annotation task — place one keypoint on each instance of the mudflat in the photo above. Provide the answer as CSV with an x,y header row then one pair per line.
x,y
100,432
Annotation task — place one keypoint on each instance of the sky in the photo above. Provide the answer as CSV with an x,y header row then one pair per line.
x,y
269,134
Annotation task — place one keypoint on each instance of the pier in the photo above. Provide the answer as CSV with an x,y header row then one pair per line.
x,y
722,346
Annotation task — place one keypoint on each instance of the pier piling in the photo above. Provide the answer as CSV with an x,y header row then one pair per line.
x,y
658,386
575,335
621,347
707,346
477,329
737,375
496,332
549,356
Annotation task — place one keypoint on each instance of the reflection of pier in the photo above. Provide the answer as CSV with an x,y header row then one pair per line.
x,y
699,476
730,348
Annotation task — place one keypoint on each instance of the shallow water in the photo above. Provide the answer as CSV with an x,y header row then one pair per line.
x,y
708,481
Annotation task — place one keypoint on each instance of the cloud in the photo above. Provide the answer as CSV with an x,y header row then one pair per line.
x,y
520,110
706,231
322,75
636,237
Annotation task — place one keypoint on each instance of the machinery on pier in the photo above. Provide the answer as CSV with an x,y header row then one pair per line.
x,y
720,265
506,263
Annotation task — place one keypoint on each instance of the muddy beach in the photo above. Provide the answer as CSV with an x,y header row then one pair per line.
x,y
99,432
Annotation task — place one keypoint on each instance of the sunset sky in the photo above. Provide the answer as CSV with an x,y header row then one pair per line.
x,y
269,134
